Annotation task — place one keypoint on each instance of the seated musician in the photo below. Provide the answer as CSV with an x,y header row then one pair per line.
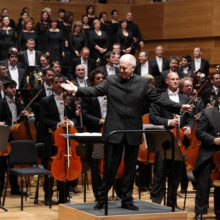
x,y
160,116
11,108
208,131
52,116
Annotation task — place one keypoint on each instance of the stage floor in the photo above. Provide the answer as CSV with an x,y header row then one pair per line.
x,y
147,210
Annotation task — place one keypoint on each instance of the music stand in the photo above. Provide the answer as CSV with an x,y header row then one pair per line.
x,y
4,135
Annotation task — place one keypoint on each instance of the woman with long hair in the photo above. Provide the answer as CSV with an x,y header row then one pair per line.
x,y
7,38
41,28
90,12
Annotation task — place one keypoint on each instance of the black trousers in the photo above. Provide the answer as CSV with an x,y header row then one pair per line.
x,y
203,189
163,169
114,158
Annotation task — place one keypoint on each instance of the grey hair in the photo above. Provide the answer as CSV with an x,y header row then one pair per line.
x,y
130,58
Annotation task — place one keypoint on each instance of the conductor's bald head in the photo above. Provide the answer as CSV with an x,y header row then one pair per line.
x,y
127,64
173,81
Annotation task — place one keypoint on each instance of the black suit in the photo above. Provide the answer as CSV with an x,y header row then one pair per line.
x,y
165,65
124,112
77,61
207,129
160,116
208,95
23,57
104,69
204,66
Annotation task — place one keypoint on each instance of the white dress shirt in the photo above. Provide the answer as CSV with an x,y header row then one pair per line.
x,y
175,98
144,68
14,74
60,104
31,57
85,64
13,109
185,70
103,105
82,82
110,70
160,63
216,90
197,63
48,89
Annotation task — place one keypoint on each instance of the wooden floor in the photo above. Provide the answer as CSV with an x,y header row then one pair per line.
x,y
42,212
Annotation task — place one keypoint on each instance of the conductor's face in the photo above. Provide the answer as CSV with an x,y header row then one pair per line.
x,y
125,69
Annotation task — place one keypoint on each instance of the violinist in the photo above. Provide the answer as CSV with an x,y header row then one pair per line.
x,y
11,108
160,116
52,116
208,131
210,93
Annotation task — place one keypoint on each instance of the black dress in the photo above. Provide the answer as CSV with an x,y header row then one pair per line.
x,y
7,40
23,37
76,43
101,41
41,32
125,41
114,27
55,45
107,27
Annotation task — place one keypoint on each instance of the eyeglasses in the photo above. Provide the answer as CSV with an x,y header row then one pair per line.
x,y
188,86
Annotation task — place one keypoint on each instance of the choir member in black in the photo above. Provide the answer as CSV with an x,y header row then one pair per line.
x,y
44,62
125,38
52,116
15,72
85,59
7,38
46,88
66,28
116,48
30,57
107,27
185,67
5,13
61,13
136,33
55,42
94,112
77,40
90,12
209,94
28,32
86,28
56,67
114,23
160,116
41,28
98,41
208,131
23,17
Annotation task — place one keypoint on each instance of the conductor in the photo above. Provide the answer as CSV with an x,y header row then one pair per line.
x,y
126,93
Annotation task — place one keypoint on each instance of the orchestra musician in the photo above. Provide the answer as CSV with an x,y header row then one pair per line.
x,y
161,116
207,131
52,116
126,92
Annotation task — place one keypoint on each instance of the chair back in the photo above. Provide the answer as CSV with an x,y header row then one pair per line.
x,y
23,152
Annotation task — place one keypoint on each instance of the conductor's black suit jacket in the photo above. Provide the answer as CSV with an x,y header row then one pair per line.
x,y
125,99
207,130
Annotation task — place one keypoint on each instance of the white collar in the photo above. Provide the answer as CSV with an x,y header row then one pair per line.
x,y
170,93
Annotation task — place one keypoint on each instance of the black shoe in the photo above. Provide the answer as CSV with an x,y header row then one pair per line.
x,y
47,202
130,206
198,217
98,205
